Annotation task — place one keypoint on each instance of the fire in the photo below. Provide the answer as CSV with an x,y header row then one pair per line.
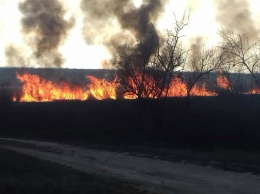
x,y
101,89
178,88
202,91
146,82
223,82
253,91
36,89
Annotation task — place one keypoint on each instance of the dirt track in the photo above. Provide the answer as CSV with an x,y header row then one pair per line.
x,y
156,175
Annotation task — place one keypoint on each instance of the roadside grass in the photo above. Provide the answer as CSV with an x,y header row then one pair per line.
x,y
212,122
233,160
20,174
221,131
230,160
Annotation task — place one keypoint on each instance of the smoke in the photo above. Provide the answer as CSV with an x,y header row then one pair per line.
x,y
196,46
192,5
45,29
100,15
15,57
235,15
196,52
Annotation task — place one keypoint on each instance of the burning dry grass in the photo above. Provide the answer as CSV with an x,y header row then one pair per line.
x,y
212,122
102,89
178,88
37,89
223,82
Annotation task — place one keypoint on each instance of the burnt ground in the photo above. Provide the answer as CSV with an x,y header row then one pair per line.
x,y
230,122
221,132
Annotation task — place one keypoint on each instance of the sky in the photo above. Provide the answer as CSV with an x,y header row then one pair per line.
x,y
82,41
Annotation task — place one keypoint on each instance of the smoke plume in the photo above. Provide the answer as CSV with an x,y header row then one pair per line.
x,y
235,15
196,52
45,29
101,14
15,57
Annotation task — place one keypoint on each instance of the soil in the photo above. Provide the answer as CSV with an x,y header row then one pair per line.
x,y
155,175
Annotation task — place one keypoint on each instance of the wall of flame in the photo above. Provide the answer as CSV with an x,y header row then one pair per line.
x,y
38,89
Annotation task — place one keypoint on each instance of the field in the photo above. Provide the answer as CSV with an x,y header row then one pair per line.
x,y
231,121
210,122
222,132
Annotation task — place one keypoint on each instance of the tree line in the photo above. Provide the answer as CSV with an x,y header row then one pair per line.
x,y
150,76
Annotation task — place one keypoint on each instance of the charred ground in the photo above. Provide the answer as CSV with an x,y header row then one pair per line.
x,y
230,122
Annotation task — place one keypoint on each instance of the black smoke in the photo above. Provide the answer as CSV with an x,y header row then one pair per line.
x,y
100,15
45,29
235,15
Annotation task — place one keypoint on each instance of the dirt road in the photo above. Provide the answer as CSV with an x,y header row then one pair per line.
x,y
153,174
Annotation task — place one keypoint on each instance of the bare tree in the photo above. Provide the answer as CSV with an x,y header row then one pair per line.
x,y
233,78
242,50
171,56
201,61
135,74
150,77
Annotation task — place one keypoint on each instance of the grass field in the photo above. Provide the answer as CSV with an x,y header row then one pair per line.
x,y
223,132
21,174
230,122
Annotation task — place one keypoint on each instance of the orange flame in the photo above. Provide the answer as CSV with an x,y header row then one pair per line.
x,y
223,82
178,88
36,89
202,91
102,89
253,91
146,82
